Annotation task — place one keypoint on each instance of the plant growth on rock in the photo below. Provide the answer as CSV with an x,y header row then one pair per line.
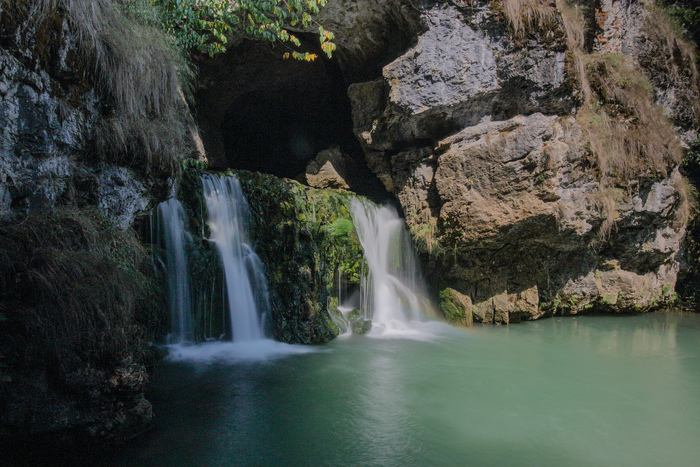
x,y
78,302
206,25
306,239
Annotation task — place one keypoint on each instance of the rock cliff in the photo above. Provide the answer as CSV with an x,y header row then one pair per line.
x,y
481,131
533,145
83,159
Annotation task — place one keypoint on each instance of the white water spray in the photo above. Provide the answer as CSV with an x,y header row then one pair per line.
x,y
171,224
246,285
393,287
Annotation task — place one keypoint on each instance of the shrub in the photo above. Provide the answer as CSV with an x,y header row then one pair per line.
x,y
205,25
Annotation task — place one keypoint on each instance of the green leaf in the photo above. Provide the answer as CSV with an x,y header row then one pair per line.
x,y
205,24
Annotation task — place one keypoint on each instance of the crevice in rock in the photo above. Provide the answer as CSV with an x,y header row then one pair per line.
x,y
590,10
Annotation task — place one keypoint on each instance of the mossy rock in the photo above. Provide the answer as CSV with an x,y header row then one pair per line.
x,y
354,315
456,307
361,326
307,241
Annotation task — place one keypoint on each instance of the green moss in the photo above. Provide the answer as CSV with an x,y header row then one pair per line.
x,y
342,228
354,315
361,326
453,308
305,238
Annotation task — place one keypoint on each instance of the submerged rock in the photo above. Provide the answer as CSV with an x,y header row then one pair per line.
x,y
361,326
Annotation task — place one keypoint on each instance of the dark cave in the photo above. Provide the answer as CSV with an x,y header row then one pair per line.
x,y
276,115
279,131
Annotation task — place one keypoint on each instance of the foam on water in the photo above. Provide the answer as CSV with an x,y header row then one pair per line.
x,y
427,331
235,352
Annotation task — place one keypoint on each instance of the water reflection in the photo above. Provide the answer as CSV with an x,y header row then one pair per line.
x,y
582,391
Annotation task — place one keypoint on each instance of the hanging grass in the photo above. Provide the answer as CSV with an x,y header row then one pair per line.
x,y
76,287
138,71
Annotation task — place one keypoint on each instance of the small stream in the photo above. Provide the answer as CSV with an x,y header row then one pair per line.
x,y
584,391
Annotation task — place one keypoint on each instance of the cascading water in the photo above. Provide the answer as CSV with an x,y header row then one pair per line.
x,y
393,287
171,222
246,285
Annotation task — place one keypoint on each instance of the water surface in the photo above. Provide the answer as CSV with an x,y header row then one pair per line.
x,y
586,391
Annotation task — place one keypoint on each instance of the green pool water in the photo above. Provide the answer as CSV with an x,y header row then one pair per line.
x,y
585,391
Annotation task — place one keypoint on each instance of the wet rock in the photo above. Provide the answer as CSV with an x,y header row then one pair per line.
x,y
361,326
456,307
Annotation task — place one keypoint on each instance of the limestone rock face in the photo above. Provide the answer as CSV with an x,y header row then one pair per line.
x,y
646,38
43,146
474,131
369,33
328,170
456,75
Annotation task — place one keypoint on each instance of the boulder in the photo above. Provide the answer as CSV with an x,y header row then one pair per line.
x,y
456,307
361,326
328,170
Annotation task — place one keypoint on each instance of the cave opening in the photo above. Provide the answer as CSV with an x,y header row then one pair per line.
x,y
280,130
277,115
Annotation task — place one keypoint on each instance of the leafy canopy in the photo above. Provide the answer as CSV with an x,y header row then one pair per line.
x,y
205,24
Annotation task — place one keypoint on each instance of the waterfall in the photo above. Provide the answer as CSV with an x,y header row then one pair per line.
x,y
393,287
246,285
171,225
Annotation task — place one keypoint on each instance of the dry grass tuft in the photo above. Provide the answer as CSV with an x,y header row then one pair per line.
x,y
75,284
628,134
627,130
140,73
676,62
526,15
688,200
606,202
681,51
574,26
